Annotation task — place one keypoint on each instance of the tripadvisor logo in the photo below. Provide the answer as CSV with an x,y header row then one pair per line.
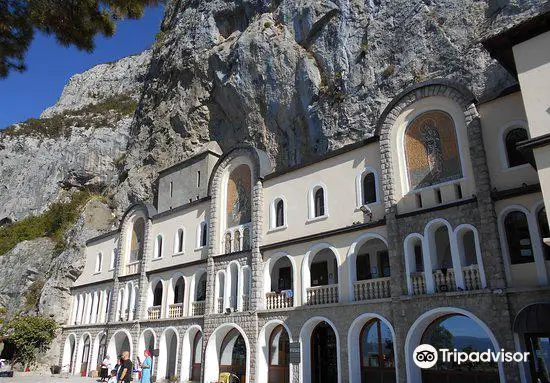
x,y
426,356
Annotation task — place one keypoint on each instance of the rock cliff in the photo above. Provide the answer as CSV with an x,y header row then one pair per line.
x,y
294,77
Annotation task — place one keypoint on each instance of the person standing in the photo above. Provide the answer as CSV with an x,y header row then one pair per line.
x,y
126,368
146,368
105,368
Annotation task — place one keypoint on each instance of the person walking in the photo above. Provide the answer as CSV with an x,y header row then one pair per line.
x,y
106,367
146,367
126,368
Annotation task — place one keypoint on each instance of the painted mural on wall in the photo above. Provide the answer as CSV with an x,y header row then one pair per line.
x,y
239,197
431,150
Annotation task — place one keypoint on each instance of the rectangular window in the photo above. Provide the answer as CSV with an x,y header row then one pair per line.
x,y
458,191
198,178
438,198
418,200
171,189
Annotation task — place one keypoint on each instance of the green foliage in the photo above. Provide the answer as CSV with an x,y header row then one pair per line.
x,y
71,22
32,295
30,335
93,116
52,223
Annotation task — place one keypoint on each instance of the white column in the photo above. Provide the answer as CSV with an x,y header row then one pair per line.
x,y
95,304
74,312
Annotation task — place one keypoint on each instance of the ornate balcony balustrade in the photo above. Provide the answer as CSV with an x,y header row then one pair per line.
x,y
153,312
371,289
418,283
278,300
175,310
321,295
198,308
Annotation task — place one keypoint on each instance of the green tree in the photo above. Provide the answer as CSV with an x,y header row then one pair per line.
x,y
72,22
30,336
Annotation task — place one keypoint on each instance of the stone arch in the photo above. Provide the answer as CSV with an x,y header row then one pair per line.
x,y
459,233
414,337
95,357
187,352
352,256
263,349
212,353
305,347
447,89
354,332
306,265
268,272
118,343
169,345
145,341
84,352
69,350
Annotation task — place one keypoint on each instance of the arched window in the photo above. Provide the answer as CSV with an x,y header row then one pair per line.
x,y
85,356
196,357
431,150
233,285
233,354
138,235
158,246
99,262
544,231
377,352
237,242
113,259
279,213
518,238
102,350
200,294
246,238
239,197
179,290
465,335
203,234
369,188
179,241
279,347
319,202
157,294
513,155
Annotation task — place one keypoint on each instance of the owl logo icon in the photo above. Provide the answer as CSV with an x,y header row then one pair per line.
x,y
425,356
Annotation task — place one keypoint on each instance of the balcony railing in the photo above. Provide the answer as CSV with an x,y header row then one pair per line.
x,y
220,305
246,302
132,268
418,283
444,280
472,278
280,300
175,310
371,289
153,312
198,308
322,295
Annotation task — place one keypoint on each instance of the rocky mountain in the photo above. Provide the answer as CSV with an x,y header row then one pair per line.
x,y
294,77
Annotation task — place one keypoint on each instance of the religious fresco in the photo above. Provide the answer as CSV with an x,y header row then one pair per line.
x,y
431,150
138,234
239,197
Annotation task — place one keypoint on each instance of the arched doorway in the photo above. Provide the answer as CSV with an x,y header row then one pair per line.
x,y
278,362
68,354
533,330
147,342
119,343
324,354
457,331
84,363
196,357
168,354
321,277
376,350
233,355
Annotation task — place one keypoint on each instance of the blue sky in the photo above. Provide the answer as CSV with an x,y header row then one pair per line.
x,y
50,65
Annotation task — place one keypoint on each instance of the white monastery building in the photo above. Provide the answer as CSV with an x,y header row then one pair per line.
x,y
431,231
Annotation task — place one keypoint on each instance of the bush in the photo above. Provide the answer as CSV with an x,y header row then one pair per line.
x,y
60,125
30,335
32,295
52,223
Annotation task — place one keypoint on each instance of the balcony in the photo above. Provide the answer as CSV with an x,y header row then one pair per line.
x,y
153,312
198,308
322,295
280,300
472,277
175,310
132,268
444,280
418,283
368,289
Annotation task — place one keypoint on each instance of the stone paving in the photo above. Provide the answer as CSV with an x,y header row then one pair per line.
x,y
33,378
